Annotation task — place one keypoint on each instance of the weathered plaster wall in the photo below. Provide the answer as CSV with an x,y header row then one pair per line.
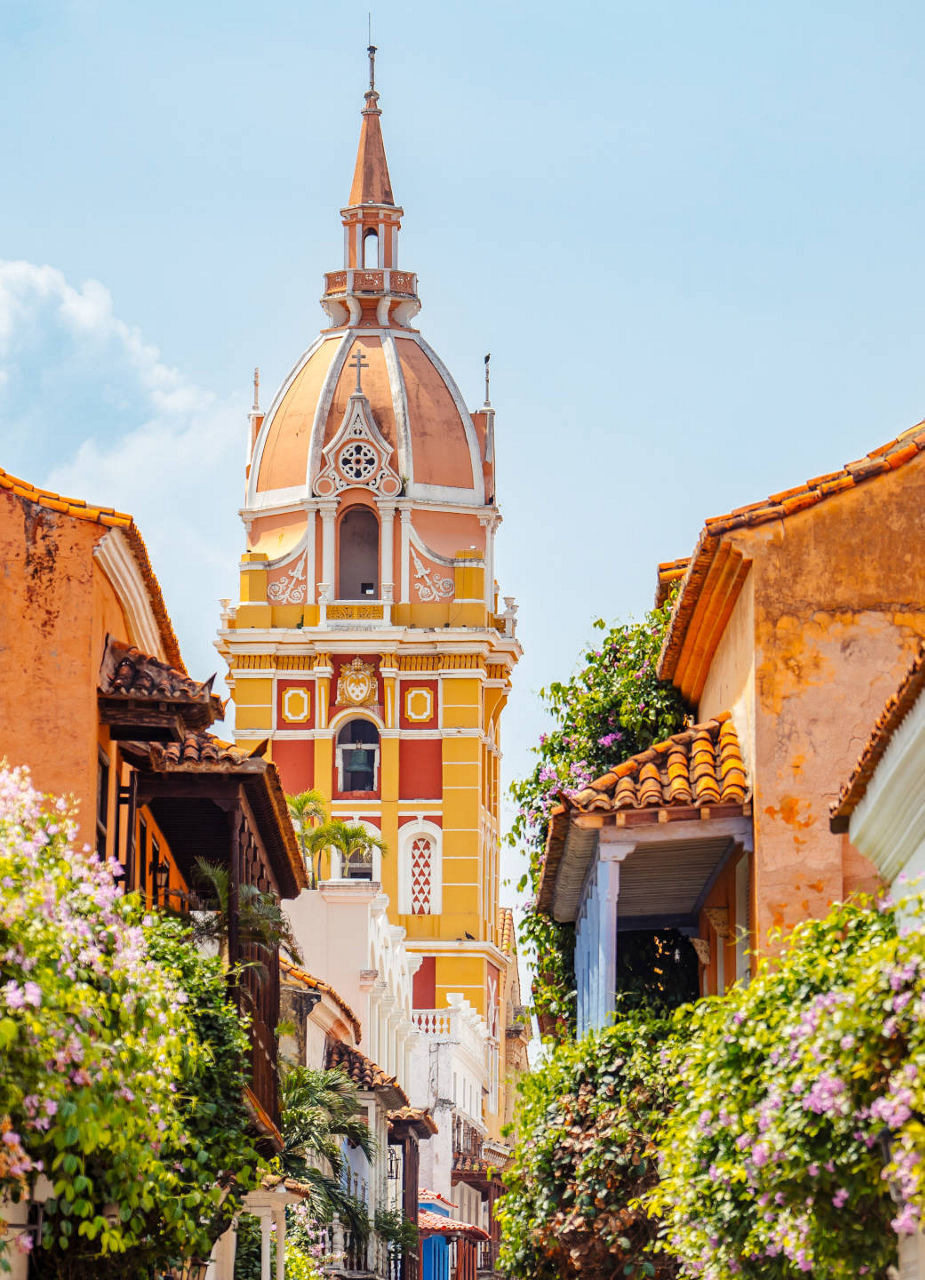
x,y
55,609
730,682
839,609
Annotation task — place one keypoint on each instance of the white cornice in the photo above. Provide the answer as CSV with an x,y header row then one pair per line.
x,y
115,558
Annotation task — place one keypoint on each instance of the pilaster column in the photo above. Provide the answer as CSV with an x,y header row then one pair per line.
x,y
607,883
265,1257
405,555
328,514
386,555
279,1217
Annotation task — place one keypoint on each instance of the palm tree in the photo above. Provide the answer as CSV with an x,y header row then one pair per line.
x,y
308,811
350,839
320,1112
261,921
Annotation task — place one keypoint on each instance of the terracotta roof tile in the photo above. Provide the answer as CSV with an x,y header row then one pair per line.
x,y
889,720
887,457
419,1117
362,1070
128,672
109,518
317,984
430,1224
507,933
197,748
699,766
202,752
434,1196
670,572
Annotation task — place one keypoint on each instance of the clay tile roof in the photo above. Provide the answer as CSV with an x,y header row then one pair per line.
x,y
362,1070
202,752
507,935
197,749
127,671
417,1117
430,1223
107,517
889,720
670,572
699,766
888,457
434,1197
304,979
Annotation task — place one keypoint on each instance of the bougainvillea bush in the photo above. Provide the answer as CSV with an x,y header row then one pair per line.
x,y
121,1059
612,707
791,1092
589,1119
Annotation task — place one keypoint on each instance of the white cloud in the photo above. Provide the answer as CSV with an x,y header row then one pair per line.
x,y
87,407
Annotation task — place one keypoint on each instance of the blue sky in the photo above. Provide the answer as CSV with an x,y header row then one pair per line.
x,y
690,235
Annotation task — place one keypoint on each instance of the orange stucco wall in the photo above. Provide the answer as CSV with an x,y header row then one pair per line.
x,y
836,616
56,609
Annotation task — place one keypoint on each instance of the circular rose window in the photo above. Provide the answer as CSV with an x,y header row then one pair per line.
x,y
358,461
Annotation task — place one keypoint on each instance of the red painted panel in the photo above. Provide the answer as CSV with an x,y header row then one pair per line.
x,y
420,768
295,761
424,984
418,704
295,704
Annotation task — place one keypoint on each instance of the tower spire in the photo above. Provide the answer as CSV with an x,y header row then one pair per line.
x,y
371,184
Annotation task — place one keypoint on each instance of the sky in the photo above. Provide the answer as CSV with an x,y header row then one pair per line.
x,y
689,234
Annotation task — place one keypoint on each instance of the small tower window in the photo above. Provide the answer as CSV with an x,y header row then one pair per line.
x,y
371,250
359,555
358,756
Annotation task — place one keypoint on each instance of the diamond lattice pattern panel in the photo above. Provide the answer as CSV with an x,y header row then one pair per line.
x,y
422,851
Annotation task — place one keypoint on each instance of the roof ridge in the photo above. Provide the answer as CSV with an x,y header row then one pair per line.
x,y
887,457
691,780
78,507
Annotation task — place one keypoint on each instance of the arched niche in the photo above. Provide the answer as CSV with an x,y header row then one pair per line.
x,y
358,558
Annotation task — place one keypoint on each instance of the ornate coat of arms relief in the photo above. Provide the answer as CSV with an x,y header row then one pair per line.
x,y
356,684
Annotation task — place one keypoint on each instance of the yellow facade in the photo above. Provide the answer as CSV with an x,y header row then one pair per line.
x,y
368,644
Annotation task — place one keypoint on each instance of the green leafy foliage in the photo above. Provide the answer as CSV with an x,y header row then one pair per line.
x,y
773,1132
772,1162
122,1059
589,1118
612,707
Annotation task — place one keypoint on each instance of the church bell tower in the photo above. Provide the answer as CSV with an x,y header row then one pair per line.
x,y
369,645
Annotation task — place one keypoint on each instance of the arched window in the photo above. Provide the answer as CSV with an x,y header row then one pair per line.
x,y
371,250
358,756
359,555
420,884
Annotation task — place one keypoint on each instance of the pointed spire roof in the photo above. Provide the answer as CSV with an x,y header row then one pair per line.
x,y
371,184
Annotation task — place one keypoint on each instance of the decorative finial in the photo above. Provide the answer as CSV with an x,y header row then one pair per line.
x,y
371,50
359,362
488,379
256,408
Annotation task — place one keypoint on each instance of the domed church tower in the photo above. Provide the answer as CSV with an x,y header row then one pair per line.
x,y
369,645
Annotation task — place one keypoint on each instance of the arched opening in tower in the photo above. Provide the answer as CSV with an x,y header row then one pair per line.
x,y
358,756
371,250
359,555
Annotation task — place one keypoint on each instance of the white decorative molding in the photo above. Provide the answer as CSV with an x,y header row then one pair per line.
x,y
290,588
428,583
116,559
358,456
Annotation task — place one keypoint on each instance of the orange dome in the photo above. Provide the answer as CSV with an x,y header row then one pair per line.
x,y
414,402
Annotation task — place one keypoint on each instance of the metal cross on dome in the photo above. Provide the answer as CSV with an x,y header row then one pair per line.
x,y
359,362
